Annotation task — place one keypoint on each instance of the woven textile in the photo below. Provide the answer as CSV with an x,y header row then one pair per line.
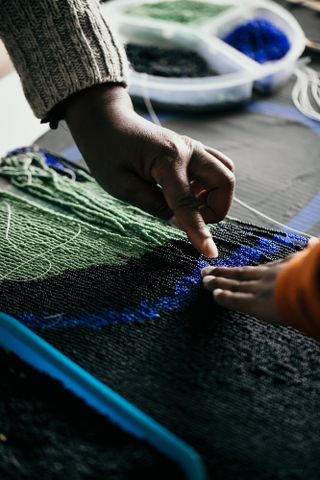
x,y
120,293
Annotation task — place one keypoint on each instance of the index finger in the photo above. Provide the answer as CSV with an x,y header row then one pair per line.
x,y
220,156
216,178
173,178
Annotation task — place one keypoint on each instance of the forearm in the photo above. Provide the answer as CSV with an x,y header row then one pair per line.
x,y
60,47
298,292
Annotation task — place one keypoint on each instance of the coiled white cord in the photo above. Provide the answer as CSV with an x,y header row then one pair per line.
x,y
306,91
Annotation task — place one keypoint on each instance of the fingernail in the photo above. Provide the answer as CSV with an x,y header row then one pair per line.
x,y
217,292
209,248
207,280
206,271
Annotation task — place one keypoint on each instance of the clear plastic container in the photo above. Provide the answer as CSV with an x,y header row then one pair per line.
x,y
237,73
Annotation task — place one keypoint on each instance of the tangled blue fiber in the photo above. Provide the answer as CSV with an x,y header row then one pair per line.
x,y
260,40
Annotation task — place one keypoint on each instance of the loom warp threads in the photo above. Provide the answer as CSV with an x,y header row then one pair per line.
x,y
260,40
180,11
167,62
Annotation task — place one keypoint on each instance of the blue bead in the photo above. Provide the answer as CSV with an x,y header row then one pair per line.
x,y
260,40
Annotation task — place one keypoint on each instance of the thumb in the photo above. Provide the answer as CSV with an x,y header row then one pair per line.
x,y
178,195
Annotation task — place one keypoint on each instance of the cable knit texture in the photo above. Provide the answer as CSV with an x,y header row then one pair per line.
x,y
60,47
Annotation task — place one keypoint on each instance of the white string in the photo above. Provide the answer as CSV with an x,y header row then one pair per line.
x,y
300,96
39,255
57,319
306,91
156,120
272,220
315,83
154,117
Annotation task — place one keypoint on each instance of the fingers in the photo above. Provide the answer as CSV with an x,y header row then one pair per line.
x,y
173,178
212,283
207,214
243,302
236,273
220,156
249,290
216,178
146,196
187,215
201,198
198,188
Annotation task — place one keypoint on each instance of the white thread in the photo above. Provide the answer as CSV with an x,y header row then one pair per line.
x,y
154,116
257,212
58,317
306,91
39,255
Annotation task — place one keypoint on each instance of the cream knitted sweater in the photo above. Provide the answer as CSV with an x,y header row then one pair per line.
x,y
60,47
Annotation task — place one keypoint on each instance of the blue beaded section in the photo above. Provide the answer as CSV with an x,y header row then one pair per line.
x,y
186,289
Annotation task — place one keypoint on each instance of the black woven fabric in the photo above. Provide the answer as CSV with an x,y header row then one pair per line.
x,y
242,393
52,435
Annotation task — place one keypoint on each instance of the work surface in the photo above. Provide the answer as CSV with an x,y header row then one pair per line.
x,y
259,392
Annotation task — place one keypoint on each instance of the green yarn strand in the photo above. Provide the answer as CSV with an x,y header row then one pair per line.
x,y
84,199
38,236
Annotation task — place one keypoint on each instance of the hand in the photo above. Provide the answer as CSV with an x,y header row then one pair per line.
x,y
153,168
246,289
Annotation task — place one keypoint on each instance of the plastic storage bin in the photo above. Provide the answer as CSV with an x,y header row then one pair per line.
x,y
237,73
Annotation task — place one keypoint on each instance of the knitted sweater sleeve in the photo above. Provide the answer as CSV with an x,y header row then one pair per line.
x,y
60,47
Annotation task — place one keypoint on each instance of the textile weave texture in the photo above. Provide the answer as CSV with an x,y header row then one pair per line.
x,y
120,293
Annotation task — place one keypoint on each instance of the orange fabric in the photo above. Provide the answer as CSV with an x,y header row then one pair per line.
x,y
298,292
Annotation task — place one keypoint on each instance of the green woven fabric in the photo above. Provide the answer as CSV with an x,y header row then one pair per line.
x,y
107,230
84,198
